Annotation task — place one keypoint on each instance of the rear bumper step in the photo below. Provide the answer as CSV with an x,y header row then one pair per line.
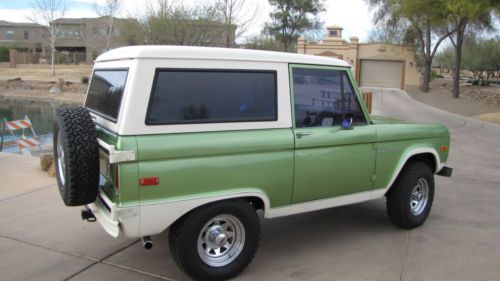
x,y
445,172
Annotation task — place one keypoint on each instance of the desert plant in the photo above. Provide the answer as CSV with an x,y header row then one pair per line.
x,y
435,74
4,54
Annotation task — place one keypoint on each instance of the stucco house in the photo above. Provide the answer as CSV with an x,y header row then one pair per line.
x,y
88,35
22,35
374,64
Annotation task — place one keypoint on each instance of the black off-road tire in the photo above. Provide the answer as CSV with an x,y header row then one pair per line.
x,y
184,234
399,196
78,178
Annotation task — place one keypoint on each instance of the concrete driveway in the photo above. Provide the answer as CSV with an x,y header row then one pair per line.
x,y
40,239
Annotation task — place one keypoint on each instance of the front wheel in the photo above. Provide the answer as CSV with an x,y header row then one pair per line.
x,y
217,241
409,200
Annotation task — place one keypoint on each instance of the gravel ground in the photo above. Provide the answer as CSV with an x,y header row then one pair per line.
x,y
475,101
73,92
40,72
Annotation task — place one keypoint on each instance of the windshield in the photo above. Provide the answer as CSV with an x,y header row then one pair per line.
x,y
105,92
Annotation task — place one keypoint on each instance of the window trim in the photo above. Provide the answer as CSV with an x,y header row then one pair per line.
x,y
211,70
356,96
343,71
109,118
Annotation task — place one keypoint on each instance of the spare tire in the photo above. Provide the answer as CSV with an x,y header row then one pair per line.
x,y
76,156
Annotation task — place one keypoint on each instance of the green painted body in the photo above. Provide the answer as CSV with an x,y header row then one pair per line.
x,y
330,162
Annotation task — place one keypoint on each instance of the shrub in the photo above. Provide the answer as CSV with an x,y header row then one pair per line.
x,y
435,74
485,83
4,54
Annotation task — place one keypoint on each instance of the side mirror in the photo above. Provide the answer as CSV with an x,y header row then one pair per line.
x,y
347,124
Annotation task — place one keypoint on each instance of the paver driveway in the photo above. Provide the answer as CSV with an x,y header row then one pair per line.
x,y
40,239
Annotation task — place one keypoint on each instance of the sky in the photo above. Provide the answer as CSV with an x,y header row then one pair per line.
x,y
352,15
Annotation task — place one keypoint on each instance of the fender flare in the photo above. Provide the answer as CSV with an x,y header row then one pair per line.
x,y
404,159
155,218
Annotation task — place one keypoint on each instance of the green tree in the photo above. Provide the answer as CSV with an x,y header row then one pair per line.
x,y
463,14
394,36
131,32
292,18
446,58
482,58
419,23
263,42
171,23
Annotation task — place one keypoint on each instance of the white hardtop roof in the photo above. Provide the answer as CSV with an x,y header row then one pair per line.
x,y
209,53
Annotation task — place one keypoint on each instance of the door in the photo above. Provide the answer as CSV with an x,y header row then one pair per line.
x,y
331,157
379,73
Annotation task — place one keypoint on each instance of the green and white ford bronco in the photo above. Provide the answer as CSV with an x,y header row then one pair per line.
x,y
197,140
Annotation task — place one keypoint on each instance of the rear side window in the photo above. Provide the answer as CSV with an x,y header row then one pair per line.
x,y
106,91
212,96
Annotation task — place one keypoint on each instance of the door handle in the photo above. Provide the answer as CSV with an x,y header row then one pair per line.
x,y
303,134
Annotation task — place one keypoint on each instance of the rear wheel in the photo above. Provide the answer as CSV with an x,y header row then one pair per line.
x,y
217,241
409,200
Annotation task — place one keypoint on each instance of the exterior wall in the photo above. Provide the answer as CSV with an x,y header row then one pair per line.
x,y
330,48
14,36
96,30
88,36
353,52
71,36
381,51
82,39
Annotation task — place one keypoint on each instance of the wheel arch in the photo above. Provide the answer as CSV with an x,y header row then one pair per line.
x,y
428,156
156,218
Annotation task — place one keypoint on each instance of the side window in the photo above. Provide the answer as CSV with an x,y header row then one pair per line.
x,y
352,108
324,98
212,96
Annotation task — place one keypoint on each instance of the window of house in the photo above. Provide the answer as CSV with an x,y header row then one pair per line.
x,y
110,31
324,98
9,34
26,35
212,96
95,30
333,32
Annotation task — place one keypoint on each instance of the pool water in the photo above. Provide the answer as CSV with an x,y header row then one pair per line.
x,y
41,115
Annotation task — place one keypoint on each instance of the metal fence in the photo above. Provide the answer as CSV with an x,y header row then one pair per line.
x,y
59,58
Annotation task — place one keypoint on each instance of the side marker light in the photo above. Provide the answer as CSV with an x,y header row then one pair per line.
x,y
149,181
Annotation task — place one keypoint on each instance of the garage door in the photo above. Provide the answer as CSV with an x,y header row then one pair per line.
x,y
379,73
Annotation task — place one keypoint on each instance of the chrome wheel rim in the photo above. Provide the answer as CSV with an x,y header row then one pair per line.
x,y
221,240
60,158
419,197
